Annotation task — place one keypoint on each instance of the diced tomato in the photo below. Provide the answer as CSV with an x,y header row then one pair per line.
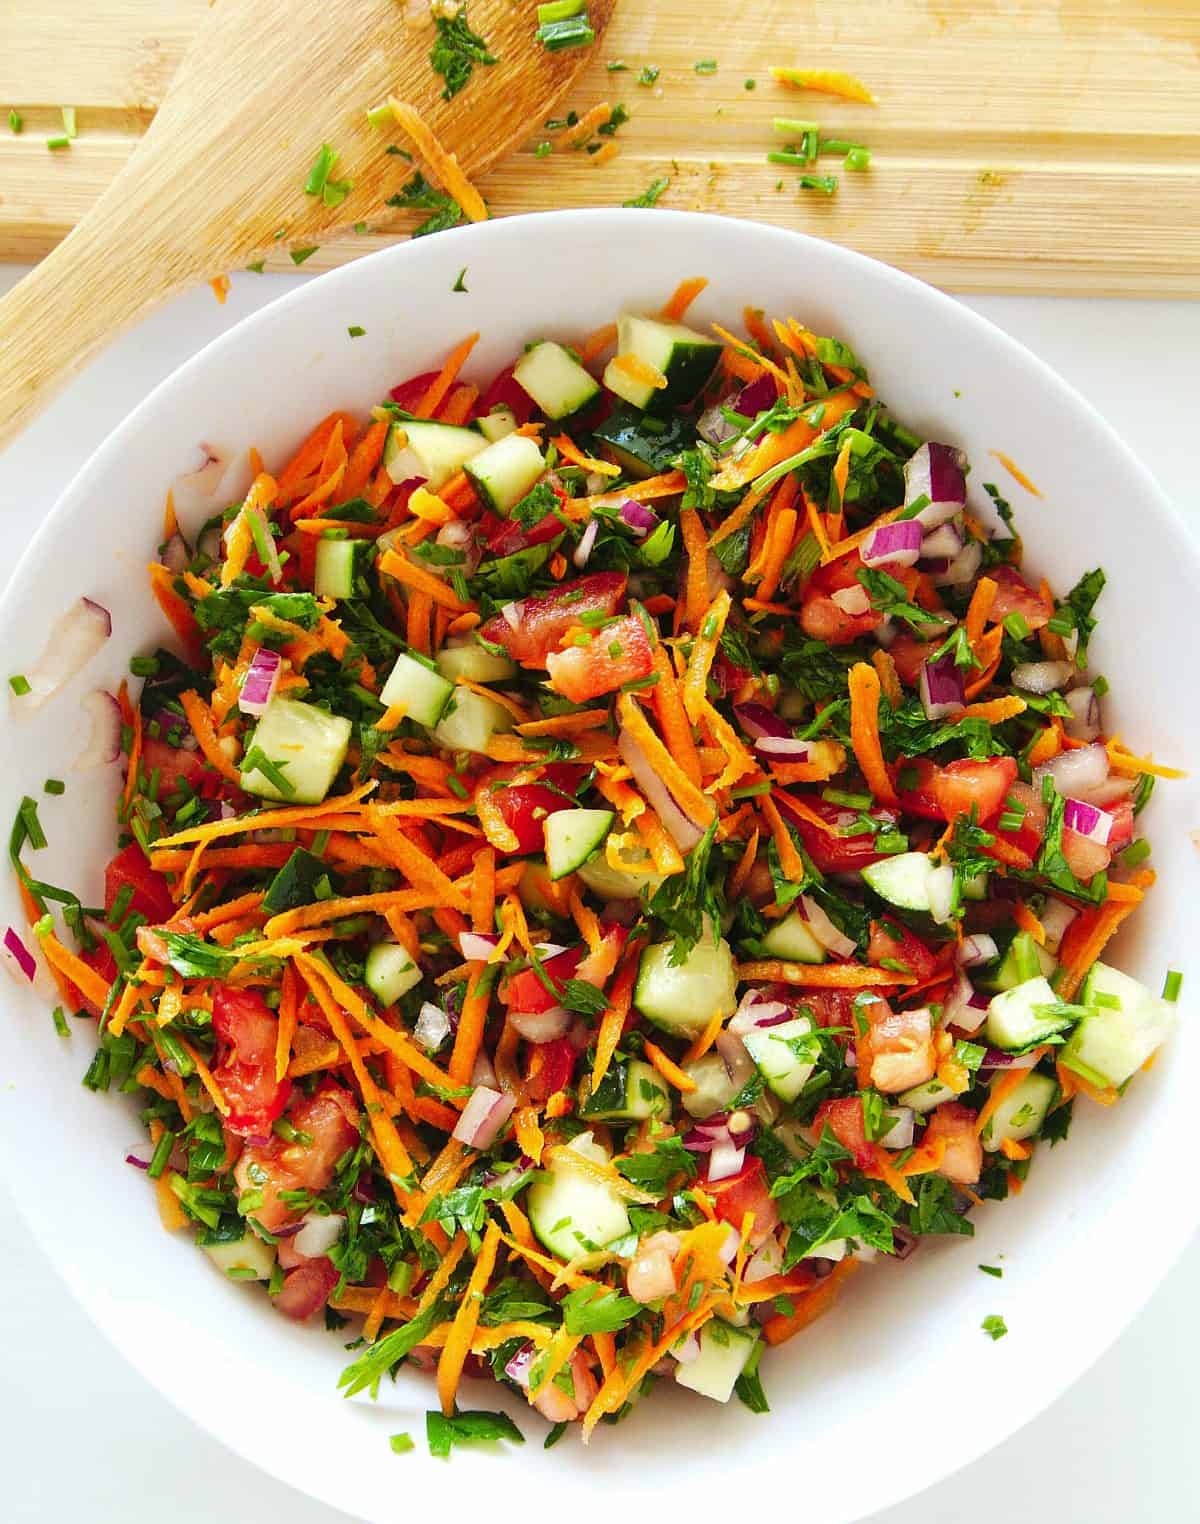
x,y
820,616
619,653
247,1030
505,391
330,1117
983,783
1121,833
410,392
1027,837
726,675
307,1288
556,1069
526,992
174,765
1084,858
504,537
542,622
954,1124
747,1191
895,942
920,774
598,966
899,1046
844,1118
131,869
524,806
909,655
1015,596
833,853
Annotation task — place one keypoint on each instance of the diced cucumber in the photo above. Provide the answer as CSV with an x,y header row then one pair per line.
x,y
715,1086
926,1097
784,1055
506,470
470,721
789,1132
630,1091
497,424
791,939
418,450
902,880
686,358
1022,960
338,566
1020,1114
307,744
555,380
681,998
295,883
609,883
390,972
572,836
467,658
724,1354
1013,1021
646,446
536,889
571,1213
420,689
1109,1046
243,1259
975,887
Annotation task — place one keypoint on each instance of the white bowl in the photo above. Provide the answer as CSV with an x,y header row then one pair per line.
x,y
898,1386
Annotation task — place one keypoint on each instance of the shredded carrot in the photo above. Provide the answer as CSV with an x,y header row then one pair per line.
x,y
435,392
413,863
620,996
656,838
1048,743
569,450
85,979
689,798
669,1070
685,293
779,545
706,1038
393,564
738,761
817,524
444,166
790,860
1088,934
864,731
471,1022
996,711
365,457
889,682
808,1306
638,370
709,630
1004,1086
826,82
978,610
988,652
617,1386
1009,1147
822,976
457,408
1027,921
1014,471
199,717
483,891
739,516
1122,760
737,880
178,614
597,342
466,1320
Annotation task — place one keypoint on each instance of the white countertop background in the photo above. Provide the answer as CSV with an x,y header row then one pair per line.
x,y
82,1437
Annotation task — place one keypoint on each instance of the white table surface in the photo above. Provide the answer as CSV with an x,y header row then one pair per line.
x,y
82,1436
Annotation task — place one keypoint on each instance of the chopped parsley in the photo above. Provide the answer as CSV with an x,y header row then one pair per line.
x,y
994,1326
456,51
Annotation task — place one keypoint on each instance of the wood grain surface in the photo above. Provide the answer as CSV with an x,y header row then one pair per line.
x,y
1041,146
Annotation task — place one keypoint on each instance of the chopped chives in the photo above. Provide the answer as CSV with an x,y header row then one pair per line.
x,y
1172,985
824,183
839,145
258,266
573,32
457,786
355,331
15,122
144,666
162,1152
851,801
858,158
59,1017
60,142
459,283
649,74
1016,625
788,156
69,126
751,791
401,1443
617,66
19,684
361,227
1100,686
319,842
992,1270
54,786
791,127
559,10
705,66
322,168
379,116
1136,852
543,149
300,255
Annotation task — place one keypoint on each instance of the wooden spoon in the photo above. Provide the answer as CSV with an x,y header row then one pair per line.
x,y
219,178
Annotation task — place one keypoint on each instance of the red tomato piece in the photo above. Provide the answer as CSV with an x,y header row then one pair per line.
x,y
174,765
307,1288
1027,837
954,1125
919,798
899,1045
557,1069
1084,858
910,655
619,653
598,965
101,959
747,1191
820,616
983,783
526,992
1121,833
151,896
247,1030
504,537
891,940
525,806
834,853
542,622
330,1117
410,392
844,1118
505,390
1015,596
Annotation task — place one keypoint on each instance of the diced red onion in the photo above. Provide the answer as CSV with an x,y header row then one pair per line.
x,y
900,1134
852,600
687,1349
1094,824
764,1263
318,1234
963,569
518,1367
26,963
996,1058
738,1064
104,742
76,637
176,553
1056,916
965,1007
942,692
732,1240
541,1026
713,426
724,1161
827,934
460,536
790,748
904,1241
1042,677
1076,772
132,1158
758,721
482,1072
203,481
761,393
638,517
483,1116
584,549
261,681
683,830
941,893
977,948
752,1013
477,946
942,543
936,471
432,1027
896,544
1084,724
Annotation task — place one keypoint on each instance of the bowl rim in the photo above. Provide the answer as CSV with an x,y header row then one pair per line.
x,y
1170,1239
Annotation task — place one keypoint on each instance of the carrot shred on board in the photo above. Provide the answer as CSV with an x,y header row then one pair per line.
x,y
444,166
685,293
669,1070
864,731
577,133
689,798
466,1320
825,82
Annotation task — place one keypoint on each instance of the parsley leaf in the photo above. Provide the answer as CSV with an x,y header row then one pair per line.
x,y
684,901
595,1309
649,197
651,1172
1058,1124
584,998
534,506
890,598
994,1326
748,1386
512,1299
469,1428
935,1211
375,1362
195,958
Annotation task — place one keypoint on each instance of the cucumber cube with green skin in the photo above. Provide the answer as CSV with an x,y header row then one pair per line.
x,y
1021,1114
792,940
420,450
505,472
631,1091
420,690
1013,1021
925,1097
470,721
497,424
307,744
681,998
1110,1045
390,972
572,836
338,566
570,1212
555,380
609,883
242,1259
902,880
645,446
724,1354
784,1055
467,658
1023,958
715,1087
684,357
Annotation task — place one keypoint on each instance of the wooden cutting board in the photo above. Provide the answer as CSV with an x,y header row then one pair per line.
x,y
1038,146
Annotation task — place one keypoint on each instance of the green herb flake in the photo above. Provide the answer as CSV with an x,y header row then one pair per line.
x,y
298,256
456,51
649,197
15,121
992,1270
19,685
649,75
468,1428
705,66
994,1326
401,1443
460,283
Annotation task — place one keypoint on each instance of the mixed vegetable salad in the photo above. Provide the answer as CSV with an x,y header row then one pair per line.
x,y
601,859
